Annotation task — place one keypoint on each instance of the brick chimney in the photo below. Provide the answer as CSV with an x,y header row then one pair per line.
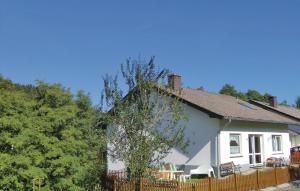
x,y
273,101
174,81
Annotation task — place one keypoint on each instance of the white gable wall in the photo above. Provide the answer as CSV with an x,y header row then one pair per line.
x,y
201,131
176,157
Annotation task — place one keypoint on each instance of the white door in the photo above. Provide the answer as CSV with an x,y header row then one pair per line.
x,y
255,149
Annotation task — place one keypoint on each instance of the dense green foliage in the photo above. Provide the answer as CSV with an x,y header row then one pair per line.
x,y
228,89
249,95
46,132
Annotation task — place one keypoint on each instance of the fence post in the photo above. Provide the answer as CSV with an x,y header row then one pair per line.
x,y
177,185
141,184
114,185
257,183
235,182
289,173
209,183
275,173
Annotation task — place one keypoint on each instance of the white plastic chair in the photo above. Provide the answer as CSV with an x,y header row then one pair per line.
x,y
203,169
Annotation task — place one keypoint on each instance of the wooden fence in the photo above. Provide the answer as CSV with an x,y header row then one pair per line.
x,y
254,181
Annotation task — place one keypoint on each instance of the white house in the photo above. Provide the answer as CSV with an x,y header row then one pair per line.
x,y
222,129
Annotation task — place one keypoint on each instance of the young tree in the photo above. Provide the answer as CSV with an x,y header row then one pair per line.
x,y
144,121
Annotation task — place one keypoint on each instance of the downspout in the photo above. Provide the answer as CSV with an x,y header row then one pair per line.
x,y
218,145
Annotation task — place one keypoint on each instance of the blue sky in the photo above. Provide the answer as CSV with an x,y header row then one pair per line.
x,y
250,44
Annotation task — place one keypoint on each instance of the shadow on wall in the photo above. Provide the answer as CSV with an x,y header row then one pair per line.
x,y
202,132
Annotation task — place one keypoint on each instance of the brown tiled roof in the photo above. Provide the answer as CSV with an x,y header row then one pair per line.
x,y
228,107
288,110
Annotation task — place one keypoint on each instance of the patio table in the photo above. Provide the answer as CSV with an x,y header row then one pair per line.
x,y
171,174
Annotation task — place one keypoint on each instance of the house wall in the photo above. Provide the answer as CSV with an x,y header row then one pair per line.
x,y
294,135
247,128
114,164
295,140
201,132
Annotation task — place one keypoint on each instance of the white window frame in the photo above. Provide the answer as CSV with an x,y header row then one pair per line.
x,y
275,144
240,144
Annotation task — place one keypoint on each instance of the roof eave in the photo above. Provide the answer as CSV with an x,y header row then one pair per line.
x,y
260,120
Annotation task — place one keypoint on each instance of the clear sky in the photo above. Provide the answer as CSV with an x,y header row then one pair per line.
x,y
250,44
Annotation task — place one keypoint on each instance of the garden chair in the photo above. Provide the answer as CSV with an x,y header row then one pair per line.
x,y
274,162
229,168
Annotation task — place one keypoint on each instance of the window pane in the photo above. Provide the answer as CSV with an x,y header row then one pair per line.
x,y
276,143
251,159
273,143
234,144
257,144
257,158
234,149
250,144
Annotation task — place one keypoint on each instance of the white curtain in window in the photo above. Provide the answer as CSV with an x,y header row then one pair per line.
x,y
234,144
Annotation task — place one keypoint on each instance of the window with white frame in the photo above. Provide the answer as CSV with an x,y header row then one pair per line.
x,y
277,143
235,144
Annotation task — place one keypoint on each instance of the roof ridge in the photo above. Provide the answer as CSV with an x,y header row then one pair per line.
x,y
287,106
215,93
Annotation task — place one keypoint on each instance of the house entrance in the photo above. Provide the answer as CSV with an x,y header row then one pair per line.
x,y
255,149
